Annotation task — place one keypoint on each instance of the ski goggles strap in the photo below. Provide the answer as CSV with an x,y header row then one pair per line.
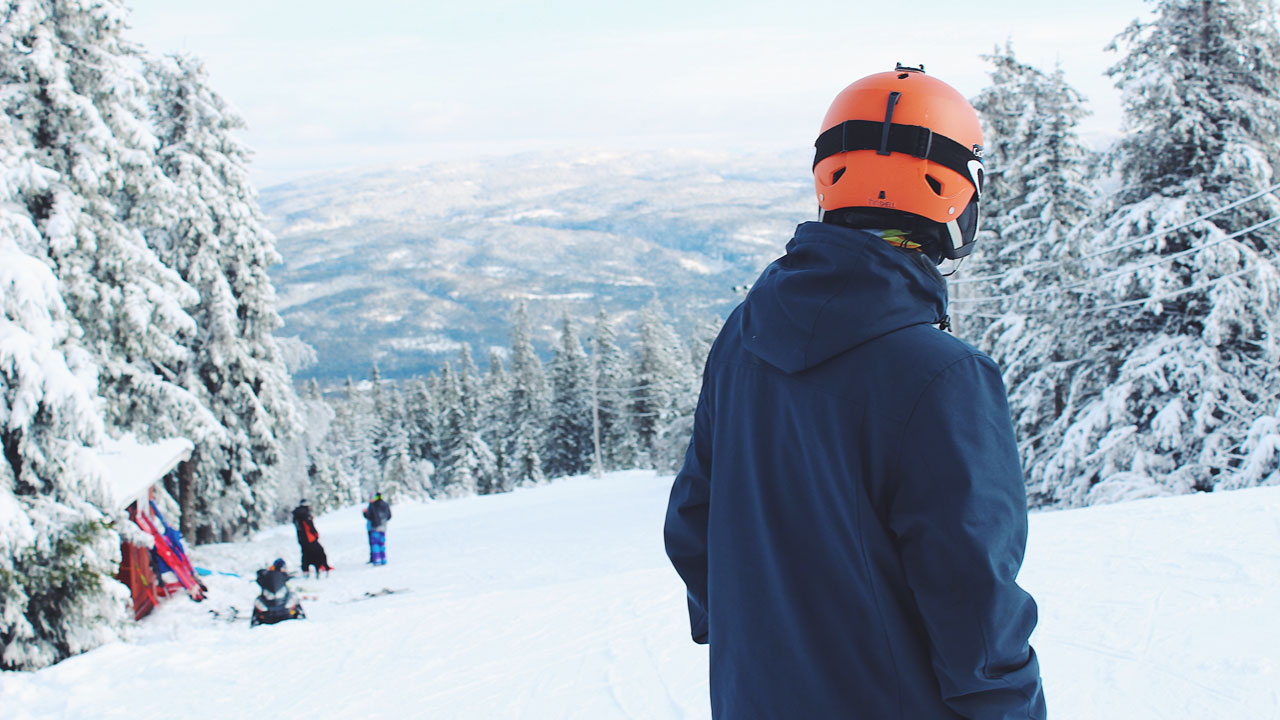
x,y
913,140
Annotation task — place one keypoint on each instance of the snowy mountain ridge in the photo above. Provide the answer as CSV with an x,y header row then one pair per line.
x,y
402,266
558,602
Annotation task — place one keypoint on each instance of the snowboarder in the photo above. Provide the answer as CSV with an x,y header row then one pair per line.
x,y
850,517
376,517
313,554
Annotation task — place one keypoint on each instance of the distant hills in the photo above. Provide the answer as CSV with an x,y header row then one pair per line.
x,y
403,266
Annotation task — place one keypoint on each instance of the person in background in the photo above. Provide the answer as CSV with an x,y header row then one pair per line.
x,y
273,575
376,517
313,554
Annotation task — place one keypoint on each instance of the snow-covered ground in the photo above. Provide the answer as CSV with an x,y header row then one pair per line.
x,y
558,602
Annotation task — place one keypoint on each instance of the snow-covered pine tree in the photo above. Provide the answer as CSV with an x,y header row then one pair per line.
x,y
1175,344
421,417
619,444
1261,452
526,407
384,419
472,399
467,466
78,107
494,399
216,239
680,428
57,551
703,336
393,447
1041,193
662,379
1008,110
469,386
569,432
353,430
324,486
1038,188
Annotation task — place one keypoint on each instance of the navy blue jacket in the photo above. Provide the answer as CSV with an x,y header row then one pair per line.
x,y
850,518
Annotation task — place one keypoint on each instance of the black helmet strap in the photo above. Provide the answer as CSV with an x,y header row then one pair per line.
x,y
888,137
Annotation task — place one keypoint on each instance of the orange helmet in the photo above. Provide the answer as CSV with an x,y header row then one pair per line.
x,y
903,142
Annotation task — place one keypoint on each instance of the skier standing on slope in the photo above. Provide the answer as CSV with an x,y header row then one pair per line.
x,y
377,515
313,554
850,518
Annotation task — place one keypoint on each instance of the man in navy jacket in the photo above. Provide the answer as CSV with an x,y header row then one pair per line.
x,y
851,518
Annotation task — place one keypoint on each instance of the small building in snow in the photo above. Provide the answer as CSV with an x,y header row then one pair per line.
x,y
133,469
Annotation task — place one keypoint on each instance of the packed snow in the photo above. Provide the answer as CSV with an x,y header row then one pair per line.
x,y
558,602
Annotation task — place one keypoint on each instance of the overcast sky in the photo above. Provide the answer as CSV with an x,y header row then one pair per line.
x,y
324,85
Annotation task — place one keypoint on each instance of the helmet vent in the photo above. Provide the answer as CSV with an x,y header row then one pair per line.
x,y
903,76
934,184
835,177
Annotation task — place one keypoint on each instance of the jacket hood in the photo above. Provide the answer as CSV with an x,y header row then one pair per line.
x,y
835,289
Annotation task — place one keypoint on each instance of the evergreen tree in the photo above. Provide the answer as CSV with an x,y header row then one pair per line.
x,y
662,379
78,105
440,420
57,554
1036,191
215,238
494,400
421,418
469,388
704,334
1038,196
619,445
354,427
569,431
468,466
472,398
1176,352
1008,111
384,419
526,407
325,488
393,446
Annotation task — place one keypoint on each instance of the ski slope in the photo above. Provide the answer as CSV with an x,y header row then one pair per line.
x,y
558,602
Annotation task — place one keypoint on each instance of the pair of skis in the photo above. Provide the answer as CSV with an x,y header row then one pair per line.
x,y
232,613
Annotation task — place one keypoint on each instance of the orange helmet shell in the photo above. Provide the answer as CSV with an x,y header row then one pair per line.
x,y
898,180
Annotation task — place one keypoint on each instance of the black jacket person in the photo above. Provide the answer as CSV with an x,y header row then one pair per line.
x,y
850,518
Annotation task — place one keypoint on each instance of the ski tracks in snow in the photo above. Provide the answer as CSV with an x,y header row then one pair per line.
x,y
1159,609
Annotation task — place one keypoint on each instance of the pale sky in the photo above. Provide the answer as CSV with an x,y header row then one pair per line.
x,y
328,85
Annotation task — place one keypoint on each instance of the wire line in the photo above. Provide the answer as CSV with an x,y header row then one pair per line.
x,y
1126,244
1121,271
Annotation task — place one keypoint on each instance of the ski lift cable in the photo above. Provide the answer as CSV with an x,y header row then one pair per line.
x,y
1121,271
1174,293
1174,256
1126,244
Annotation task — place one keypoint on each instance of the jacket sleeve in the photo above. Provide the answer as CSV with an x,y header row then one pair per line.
x,y
687,515
959,515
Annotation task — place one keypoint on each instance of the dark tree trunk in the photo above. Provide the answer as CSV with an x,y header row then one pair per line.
x,y
186,499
